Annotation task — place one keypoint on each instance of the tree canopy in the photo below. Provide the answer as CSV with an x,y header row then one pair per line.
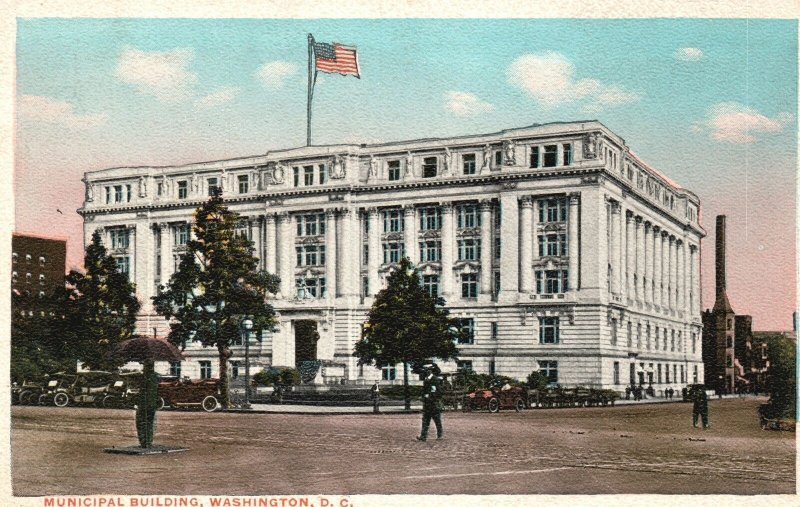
x,y
216,286
406,325
781,376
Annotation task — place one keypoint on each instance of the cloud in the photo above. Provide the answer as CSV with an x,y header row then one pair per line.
x,y
549,78
739,124
689,54
466,104
219,97
47,110
164,74
273,74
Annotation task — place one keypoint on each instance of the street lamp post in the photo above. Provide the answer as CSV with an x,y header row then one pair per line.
x,y
247,325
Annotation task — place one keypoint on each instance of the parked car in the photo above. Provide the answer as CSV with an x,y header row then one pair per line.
x,y
83,388
26,393
496,398
55,392
186,393
123,391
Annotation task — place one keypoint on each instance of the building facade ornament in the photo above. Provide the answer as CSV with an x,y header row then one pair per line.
x,y
373,167
591,145
278,173
448,161
338,168
142,186
487,158
509,152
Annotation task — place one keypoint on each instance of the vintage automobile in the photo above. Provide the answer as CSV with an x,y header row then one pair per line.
x,y
771,419
83,388
185,393
496,398
122,393
26,393
571,397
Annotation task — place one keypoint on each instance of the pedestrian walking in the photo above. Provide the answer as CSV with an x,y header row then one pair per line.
x,y
376,397
146,408
431,402
700,407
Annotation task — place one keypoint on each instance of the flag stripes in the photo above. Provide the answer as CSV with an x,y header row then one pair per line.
x,y
336,58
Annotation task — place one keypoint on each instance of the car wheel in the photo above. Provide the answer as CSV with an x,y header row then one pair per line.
x,y
210,404
41,401
110,402
162,403
24,397
519,406
494,405
61,400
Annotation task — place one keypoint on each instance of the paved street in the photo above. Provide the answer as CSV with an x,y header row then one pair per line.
x,y
625,449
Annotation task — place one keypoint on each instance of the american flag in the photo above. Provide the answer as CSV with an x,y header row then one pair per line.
x,y
336,58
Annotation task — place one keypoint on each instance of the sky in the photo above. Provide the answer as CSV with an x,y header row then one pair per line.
x,y
710,103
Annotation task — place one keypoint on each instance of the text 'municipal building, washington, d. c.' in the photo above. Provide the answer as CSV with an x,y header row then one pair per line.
x,y
557,247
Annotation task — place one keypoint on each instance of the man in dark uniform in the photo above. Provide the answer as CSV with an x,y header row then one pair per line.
x,y
146,408
376,397
431,402
700,407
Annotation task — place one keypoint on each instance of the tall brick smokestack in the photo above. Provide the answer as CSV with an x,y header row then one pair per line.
x,y
720,259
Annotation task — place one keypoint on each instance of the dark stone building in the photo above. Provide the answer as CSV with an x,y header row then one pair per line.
x,y
38,265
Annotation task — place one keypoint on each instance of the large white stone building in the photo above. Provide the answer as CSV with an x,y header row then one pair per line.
x,y
558,247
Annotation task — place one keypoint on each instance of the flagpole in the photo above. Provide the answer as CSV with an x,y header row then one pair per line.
x,y
310,88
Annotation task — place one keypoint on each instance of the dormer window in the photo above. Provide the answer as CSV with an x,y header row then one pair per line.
x,y
429,167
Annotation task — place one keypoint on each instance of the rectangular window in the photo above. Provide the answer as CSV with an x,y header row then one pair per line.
x,y
430,251
310,225
492,367
469,249
464,366
430,219
567,154
496,283
431,284
550,156
613,331
310,255
497,244
296,176
120,238
553,210
108,195
213,185
552,281
683,375
659,373
616,372
672,340
323,173
549,330
181,235
666,373
128,193
393,251
308,175
365,250
364,286
469,286
467,331
310,288
553,245
389,373
494,330
498,158
394,170
393,220
183,189
429,166
175,368
534,157
469,163
205,369
468,217
675,372
159,189
244,183
123,265
234,369
550,370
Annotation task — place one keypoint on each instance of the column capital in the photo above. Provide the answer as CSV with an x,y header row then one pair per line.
x,y
284,216
330,212
679,242
485,204
346,212
163,226
665,234
639,220
526,201
692,248
130,227
628,215
447,207
269,217
573,198
671,238
656,229
616,207
372,211
647,225
409,209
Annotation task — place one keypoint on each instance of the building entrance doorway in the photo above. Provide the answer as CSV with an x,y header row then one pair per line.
x,y
305,340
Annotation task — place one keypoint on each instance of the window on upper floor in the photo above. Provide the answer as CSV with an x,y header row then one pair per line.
x,y
311,287
118,193
108,195
553,245
469,285
534,162
431,284
244,183
430,219
120,238
322,171
123,264
468,161
394,170
296,176
553,210
310,255
552,281
567,154
550,370
469,249
308,175
466,329
494,328
183,189
429,167
497,245
393,220
550,158
498,158
181,235
310,224
430,251
549,330
468,216
393,251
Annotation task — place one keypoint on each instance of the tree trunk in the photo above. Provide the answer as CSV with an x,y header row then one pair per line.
x,y
224,382
406,390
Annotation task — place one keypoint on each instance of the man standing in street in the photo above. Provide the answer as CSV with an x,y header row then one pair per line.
x,y
700,407
146,408
431,402
376,397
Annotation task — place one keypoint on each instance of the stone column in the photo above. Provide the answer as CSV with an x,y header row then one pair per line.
x,y
255,235
331,257
487,247
350,267
658,262
509,255
648,263
270,252
167,244
525,253
144,255
410,233
639,259
448,247
286,258
665,269
534,230
375,253
630,260
573,245
616,251
680,268
697,307
671,275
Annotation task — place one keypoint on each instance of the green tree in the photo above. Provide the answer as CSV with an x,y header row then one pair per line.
x,y
217,285
537,380
406,325
99,308
781,376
